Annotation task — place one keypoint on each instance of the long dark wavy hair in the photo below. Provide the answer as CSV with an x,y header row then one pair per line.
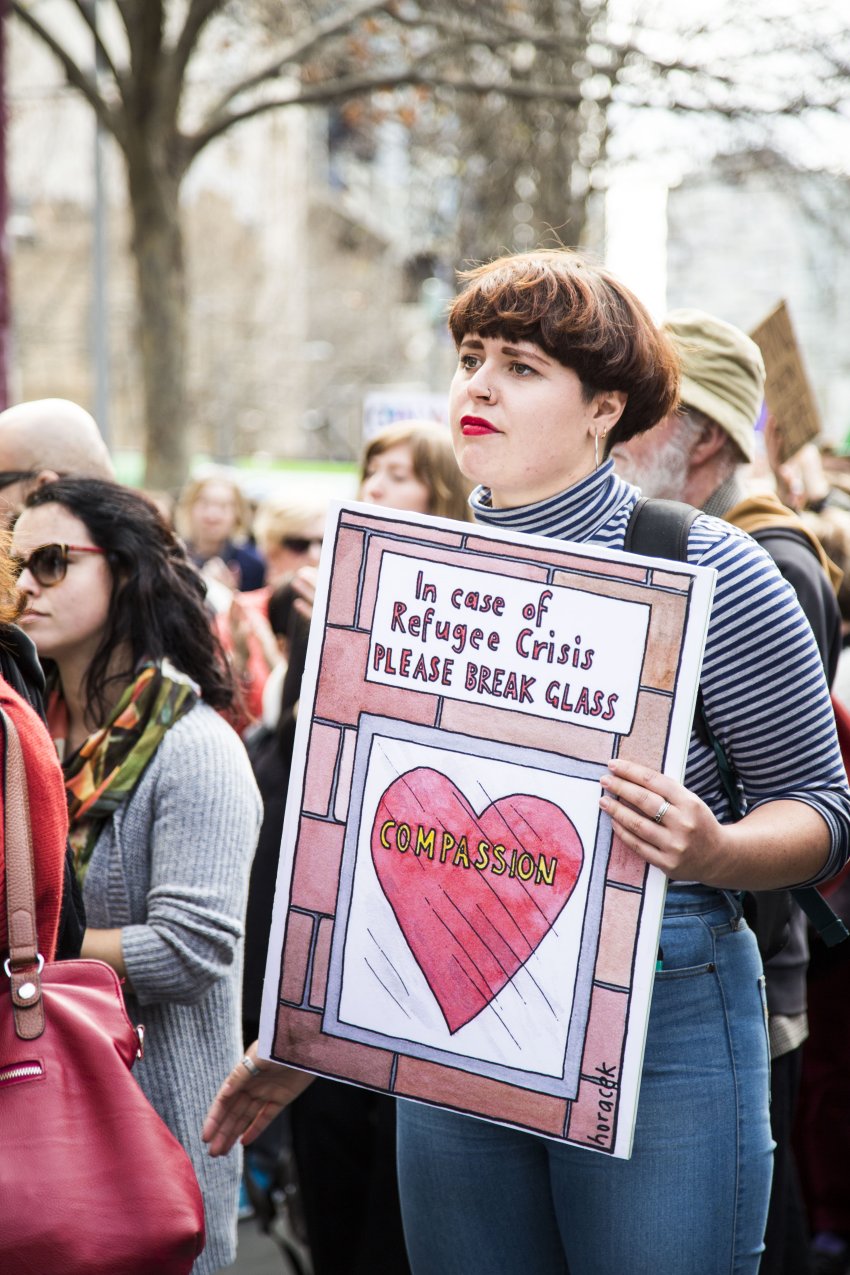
x,y
157,605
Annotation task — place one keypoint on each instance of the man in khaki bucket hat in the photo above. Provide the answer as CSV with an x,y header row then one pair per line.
x,y
699,448
698,454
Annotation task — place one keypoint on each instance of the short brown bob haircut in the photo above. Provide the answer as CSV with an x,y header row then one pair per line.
x,y
434,464
579,314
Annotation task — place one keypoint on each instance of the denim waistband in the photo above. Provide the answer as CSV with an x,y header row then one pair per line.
x,y
682,899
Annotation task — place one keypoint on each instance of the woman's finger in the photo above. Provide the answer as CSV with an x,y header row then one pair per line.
x,y
644,777
229,1118
634,824
248,1100
642,801
652,804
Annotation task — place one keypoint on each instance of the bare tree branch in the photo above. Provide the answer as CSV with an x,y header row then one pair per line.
x,y
196,18
665,66
75,76
198,15
494,36
707,78
175,63
839,64
86,10
298,50
730,110
355,86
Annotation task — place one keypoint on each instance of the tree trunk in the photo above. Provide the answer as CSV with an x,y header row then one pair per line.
x,y
523,165
161,284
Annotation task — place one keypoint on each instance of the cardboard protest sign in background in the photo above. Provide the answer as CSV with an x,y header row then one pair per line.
x,y
787,390
453,920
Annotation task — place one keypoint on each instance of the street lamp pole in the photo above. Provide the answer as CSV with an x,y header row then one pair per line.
x,y
100,303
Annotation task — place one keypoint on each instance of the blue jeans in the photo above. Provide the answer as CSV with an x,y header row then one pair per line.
x,y
482,1199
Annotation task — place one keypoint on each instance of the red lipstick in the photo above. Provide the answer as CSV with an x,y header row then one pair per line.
x,y
470,425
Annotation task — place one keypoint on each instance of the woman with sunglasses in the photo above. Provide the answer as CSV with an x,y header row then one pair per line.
x,y
289,535
557,362
21,682
163,808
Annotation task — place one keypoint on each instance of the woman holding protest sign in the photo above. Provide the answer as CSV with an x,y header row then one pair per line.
x,y
557,362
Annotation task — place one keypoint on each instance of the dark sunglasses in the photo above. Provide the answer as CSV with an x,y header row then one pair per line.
x,y
297,544
48,564
9,476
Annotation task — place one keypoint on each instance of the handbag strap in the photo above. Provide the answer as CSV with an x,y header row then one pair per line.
x,y
25,962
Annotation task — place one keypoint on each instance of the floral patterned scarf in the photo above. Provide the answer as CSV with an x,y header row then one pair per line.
x,y
104,771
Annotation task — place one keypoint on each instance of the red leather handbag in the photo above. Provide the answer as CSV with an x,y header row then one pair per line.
x,y
92,1182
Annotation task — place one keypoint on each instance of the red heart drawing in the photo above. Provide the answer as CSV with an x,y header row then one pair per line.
x,y
474,895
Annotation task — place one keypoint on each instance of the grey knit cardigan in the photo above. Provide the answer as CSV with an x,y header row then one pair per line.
x,y
170,868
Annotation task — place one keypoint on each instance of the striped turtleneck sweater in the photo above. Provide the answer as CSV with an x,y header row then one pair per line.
x,y
762,680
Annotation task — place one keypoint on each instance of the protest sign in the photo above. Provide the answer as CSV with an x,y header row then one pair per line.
x,y
382,408
787,389
454,921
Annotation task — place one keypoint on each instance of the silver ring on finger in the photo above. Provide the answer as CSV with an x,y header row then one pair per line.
x,y
658,817
250,1066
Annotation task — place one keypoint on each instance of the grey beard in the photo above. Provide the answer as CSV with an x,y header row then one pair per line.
x,y
663,475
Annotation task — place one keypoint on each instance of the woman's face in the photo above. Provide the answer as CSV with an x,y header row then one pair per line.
x,y
391,481
520,422
302,548
65,620
213,513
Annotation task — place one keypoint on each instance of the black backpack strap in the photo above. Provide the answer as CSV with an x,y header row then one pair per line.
x,y
660,529
728,777
825,922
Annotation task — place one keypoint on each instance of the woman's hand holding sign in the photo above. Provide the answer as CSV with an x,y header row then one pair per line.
x,y
665,823
775,845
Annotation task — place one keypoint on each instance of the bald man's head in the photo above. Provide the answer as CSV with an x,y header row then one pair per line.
x,y
41,440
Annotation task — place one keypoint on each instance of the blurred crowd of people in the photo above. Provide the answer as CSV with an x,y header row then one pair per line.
x,y
152,656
